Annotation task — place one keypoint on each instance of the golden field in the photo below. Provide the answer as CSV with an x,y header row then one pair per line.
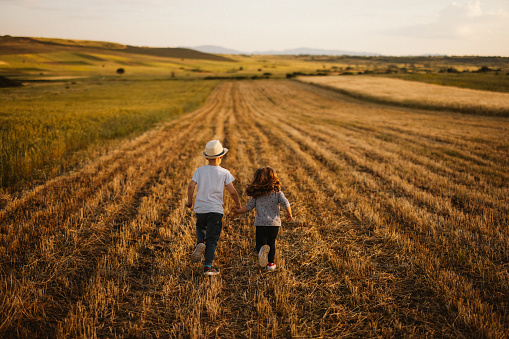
x,y
400,227
417,94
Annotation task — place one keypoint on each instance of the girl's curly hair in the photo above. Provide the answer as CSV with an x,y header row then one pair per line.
x,y
264,181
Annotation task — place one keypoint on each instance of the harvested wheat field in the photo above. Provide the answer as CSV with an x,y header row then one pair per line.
x,y
400,227
417,94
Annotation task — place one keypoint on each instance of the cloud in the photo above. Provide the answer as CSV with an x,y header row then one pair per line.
x,y
462,21
30,4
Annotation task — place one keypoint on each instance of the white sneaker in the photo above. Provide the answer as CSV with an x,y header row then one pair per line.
x,y
263,259
198,252
210,271
271,266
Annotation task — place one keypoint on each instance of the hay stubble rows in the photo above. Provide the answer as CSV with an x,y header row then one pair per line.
x,y
417,94
400,227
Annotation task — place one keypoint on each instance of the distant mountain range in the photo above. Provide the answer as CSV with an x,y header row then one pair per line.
x,y
295,51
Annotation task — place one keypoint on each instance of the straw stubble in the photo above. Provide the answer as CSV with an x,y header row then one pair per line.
x,y
399,230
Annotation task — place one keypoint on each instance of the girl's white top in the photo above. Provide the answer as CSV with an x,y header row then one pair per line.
x,y
267,208
210,183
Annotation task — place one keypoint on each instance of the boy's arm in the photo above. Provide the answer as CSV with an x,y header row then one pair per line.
x,y
190,193
234,194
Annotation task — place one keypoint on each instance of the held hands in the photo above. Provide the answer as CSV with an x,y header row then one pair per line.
x,y
236,209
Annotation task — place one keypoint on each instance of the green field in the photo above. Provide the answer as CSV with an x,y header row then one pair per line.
x,y
43,126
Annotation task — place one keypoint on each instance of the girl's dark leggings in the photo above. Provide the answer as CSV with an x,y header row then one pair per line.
x,y
266,235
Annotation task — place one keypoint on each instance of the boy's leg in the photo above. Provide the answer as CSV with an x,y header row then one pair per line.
x,y
214,227
271,241
201,227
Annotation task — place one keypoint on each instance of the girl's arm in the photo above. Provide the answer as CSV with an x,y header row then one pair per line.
x,y
289,216
284,202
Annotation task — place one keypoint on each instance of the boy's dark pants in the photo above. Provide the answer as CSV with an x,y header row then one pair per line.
x,y
208,230
266,235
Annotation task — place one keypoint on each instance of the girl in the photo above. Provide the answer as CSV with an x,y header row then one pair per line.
x,y
267,196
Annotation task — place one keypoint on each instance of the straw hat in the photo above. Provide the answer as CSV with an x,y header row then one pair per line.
x,y
214,149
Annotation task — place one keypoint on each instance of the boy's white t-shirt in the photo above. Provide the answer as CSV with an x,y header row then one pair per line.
x,y
210,183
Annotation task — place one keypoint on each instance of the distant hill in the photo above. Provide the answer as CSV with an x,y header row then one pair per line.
x,y
216,50
26,45
296,51
183,53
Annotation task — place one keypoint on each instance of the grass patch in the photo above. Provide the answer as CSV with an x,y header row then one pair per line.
x,y
71,63
89,57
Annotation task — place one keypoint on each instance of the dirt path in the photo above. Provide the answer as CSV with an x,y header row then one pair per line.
x,y
400,228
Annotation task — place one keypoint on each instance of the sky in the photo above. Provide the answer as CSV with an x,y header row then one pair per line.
x,y
388,27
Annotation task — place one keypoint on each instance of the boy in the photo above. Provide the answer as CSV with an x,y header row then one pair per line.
x,y
210,181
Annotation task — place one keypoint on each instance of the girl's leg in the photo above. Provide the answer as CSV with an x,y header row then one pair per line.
x,y
261,237
271,241
261,245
